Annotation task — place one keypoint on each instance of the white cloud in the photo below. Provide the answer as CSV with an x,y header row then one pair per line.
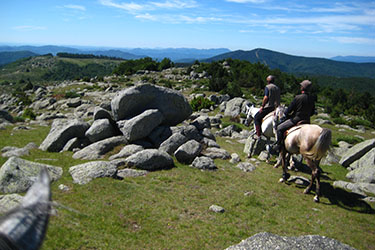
x,y
29,28
246,1
75,7
147,16
355,40
175,4
131,7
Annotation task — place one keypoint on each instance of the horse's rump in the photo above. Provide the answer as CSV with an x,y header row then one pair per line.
x,y
320,142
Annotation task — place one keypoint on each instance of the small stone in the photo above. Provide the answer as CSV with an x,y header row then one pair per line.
x,y
217,209
64,188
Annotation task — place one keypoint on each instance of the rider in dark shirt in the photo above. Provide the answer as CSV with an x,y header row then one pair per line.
x,y
300,109
271,100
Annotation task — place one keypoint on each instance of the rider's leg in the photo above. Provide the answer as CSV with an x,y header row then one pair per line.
x,y
280,132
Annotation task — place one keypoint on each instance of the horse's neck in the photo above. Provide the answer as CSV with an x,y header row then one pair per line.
x,y
254,111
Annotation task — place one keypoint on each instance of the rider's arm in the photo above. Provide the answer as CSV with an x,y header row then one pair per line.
x,y
265,98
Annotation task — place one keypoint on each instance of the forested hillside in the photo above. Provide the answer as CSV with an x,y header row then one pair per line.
x,y
8,57
301,65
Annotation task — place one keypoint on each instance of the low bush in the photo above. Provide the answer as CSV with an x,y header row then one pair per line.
x,y
200,103
71,94
348,139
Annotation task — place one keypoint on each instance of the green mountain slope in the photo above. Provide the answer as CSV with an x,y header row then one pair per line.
x,y
301,65
8,57
54,68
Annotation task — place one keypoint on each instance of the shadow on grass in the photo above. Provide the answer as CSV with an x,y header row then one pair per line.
x,y
344,199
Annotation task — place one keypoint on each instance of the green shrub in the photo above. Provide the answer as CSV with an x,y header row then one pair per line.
x,y
353,123
28,113
339,120
348,139
71,94
19,119
200,103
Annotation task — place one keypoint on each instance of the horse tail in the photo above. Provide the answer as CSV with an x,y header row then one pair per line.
x,y
321,145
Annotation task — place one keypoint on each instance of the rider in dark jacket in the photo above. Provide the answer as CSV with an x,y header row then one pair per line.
x,y
300,109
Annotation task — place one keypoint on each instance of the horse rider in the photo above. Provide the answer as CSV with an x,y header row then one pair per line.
x,y
299,111
271,101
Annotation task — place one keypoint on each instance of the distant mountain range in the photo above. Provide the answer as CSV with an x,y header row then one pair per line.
x,y
301,65
337,66
356,59
175,54
8,57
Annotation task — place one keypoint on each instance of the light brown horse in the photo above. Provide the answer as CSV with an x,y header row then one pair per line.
x,y
312,142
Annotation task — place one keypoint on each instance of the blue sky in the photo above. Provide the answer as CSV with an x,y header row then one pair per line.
x,y
320,28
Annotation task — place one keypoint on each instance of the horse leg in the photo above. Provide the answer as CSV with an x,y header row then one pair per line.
x,y
315,174
279,162
286,175
268,150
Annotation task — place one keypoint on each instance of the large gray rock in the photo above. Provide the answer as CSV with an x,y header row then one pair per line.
x,y
101,113
246,166
18,175
6,116
127,151
98,149
233,107
150,159
256,146
142,125
201,122
135,100
191,132
61,132
159,135
9,201
18,152
364,174
356,152
76,143
268,241
216,153
368,160
359,188
187,152
84,173
173,142
99,130
204,163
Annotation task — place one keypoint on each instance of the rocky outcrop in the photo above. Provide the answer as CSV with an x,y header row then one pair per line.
x,y
356,152
8,202
187,152
61,132
127,151
141,125
204,163
99,130
18,152
18,175
135,100
150,159
172,143
84,173
264,241
98,149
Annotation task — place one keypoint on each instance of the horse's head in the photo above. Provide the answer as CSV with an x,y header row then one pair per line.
x,y
249,114
279,114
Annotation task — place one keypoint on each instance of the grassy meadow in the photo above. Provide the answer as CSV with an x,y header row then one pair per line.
x,y
169,209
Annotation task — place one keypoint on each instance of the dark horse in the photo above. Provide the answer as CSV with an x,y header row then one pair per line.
x,y
309,140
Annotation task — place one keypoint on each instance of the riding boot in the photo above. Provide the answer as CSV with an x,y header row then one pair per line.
x,y
258,132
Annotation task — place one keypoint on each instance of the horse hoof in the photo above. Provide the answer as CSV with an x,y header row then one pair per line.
x,y
281,180
307,191
268,161
276,166
248,155
316,199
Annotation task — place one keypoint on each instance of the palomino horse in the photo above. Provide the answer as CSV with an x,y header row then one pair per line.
x,y
267,126
309,140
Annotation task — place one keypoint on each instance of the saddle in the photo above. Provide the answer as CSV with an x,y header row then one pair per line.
x,y
296,127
